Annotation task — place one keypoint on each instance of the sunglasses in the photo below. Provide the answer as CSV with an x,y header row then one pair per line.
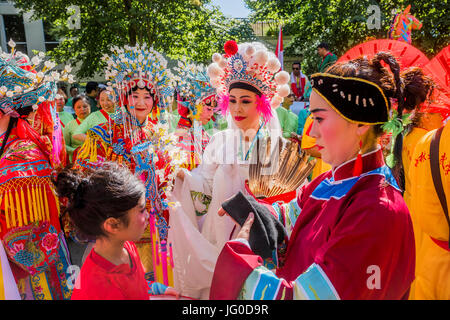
x,y
295,68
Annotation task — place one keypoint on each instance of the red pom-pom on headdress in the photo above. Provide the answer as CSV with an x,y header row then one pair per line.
x,y
231,47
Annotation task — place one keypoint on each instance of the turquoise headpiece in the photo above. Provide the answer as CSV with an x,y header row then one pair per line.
x,y
26,82
193,85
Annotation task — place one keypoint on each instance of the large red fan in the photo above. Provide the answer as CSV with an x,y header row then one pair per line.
x,y
439,69
406,54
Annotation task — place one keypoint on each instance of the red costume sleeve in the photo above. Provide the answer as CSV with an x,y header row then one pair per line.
x,y
369,254
234,256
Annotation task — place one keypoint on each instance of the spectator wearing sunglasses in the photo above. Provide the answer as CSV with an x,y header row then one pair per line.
x,y
298,81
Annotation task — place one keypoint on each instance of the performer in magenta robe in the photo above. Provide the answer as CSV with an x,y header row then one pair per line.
x,y
350,234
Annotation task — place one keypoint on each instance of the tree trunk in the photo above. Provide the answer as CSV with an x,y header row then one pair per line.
x,y
132,34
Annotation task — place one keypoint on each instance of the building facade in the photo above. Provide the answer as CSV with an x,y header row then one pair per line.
x,y
28,35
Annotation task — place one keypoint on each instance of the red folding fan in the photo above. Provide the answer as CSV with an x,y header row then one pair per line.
x,y
439,69
406,54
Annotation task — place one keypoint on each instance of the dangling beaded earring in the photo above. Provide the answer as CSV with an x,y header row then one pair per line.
x,y
357,169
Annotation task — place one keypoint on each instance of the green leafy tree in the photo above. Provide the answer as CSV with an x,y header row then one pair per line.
x,y
343,24
174,28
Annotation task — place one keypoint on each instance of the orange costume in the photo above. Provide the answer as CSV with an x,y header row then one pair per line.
x,y
433,254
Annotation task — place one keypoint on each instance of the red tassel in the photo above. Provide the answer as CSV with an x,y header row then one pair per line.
x,y
357,168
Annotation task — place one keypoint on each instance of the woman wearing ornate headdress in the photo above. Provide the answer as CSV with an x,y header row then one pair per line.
x,y
249,86
350,232
31,147
133,137
196,104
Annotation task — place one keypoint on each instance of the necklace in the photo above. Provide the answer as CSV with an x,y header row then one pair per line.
x,y
258,134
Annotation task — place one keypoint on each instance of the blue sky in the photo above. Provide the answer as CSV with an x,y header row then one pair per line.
x,y
233,8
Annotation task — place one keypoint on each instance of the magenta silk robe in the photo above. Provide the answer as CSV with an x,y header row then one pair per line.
x,y
352,238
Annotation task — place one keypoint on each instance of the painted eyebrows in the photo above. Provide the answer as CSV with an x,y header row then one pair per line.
x,y
231,96
317,110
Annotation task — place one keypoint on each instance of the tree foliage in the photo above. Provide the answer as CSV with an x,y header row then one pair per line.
x,y
174,28
342,24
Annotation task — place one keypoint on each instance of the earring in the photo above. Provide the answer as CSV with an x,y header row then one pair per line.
x,y
357,168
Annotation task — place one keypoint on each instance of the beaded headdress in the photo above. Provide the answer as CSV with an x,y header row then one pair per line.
x,y
193,86
139,66
26,82
252,64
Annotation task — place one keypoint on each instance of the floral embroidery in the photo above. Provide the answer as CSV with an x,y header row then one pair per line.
x,y
33,247
50,241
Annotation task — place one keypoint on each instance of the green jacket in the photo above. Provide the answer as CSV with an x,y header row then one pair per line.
x,y
329,60
288,121
71,144
92,120
65,117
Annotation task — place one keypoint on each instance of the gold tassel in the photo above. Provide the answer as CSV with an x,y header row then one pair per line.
x,y
35,209
47,213
13,212
38,205
41,208
19,209
84,151
8,225
92,150
108,152
24,208
56,201
30,205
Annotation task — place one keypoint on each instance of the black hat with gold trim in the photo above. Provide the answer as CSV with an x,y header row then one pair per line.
x,y
355,99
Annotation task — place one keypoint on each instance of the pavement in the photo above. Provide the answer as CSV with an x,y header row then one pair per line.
x,y
76,251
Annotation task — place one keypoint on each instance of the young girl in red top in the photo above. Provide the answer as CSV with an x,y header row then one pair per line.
x,y
108,205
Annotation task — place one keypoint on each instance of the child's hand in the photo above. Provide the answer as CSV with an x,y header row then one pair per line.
x,y
172,292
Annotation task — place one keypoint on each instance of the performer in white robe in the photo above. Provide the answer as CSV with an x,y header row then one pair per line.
x,y
8,287
246,86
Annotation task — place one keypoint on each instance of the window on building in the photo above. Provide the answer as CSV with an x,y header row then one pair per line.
x,y
14,29
51,42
